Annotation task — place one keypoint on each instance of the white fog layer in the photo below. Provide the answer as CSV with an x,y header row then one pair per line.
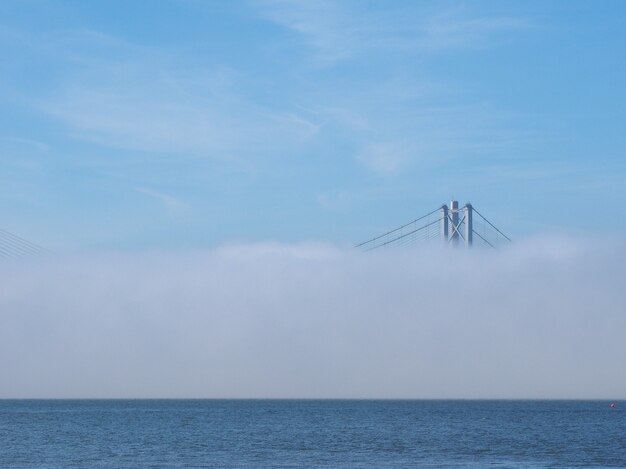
x,y
544,318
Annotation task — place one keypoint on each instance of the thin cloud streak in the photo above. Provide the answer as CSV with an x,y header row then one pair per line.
x,y
542,319
337,31
138,98
170,203
385,158
160,119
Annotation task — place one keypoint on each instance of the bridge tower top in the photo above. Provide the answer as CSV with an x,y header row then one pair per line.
x,y
456,224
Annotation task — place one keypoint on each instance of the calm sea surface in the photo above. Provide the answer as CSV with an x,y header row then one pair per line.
x,y
310,433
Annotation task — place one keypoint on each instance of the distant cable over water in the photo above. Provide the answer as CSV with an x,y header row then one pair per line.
x,y
13,246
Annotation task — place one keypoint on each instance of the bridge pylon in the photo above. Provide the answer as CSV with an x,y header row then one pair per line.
x,y
451,224
457,224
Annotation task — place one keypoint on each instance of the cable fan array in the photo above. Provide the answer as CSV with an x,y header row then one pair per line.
x,y
429,227
15,247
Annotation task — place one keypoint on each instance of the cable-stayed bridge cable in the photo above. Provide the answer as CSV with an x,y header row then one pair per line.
x,y
397,229
456,224
13,246
17,246
480,236
491,224
401,236
19,241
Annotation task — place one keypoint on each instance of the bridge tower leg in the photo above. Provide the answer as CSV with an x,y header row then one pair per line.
x,y
454,234
469,225
443,223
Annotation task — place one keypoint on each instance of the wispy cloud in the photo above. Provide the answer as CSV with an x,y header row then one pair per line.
x,y
138,98
126,119
340,30
429,135
385,158
158,118
322,24
170,203
459,28
27,142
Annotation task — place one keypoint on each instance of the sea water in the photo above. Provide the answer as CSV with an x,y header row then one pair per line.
x,y
310,433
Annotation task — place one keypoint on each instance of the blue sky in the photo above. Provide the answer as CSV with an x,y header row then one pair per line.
x,y
191,124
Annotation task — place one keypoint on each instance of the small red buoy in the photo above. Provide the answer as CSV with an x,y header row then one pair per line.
x,y
612,405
